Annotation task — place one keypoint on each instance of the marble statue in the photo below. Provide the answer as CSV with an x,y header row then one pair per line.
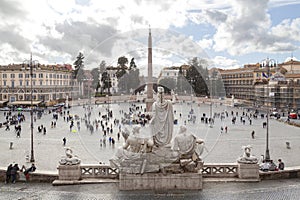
x,y
162,121
188,145
247,158
69,159
136,143
154,152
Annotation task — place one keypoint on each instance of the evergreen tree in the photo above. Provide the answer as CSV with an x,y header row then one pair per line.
x,y
196,75
130,78
105,79
79,68
132,64
122,61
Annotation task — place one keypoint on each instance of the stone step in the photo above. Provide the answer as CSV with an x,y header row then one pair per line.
x,y
84,181
230,180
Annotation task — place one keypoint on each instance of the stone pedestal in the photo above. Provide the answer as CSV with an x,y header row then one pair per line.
x,y
159,181
248,171
69,172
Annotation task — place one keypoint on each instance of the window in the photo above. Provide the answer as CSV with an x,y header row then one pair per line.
x,y
27,75
27,83
50,75
12,75
4,75
12,84
20,75
33,75
4,83
21,82
33,82
41,82
40,75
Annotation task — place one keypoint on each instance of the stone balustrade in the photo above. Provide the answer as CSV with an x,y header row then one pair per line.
x,y
220,170
98,171
209,170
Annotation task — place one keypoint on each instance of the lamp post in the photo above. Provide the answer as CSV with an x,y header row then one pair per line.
x,y
267,62
210,79
31,64
192,82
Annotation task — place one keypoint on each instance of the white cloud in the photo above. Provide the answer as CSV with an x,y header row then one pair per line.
x,y
288,28
205,43
55,30
245,27
225,63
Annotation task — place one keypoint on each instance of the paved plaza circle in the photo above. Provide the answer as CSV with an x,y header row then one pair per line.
x,y
221,147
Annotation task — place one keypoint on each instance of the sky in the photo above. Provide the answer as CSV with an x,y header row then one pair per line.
x,y
227,33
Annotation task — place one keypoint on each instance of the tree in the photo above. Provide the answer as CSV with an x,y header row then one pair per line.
x,y
196,75
132,64
122,61
182,84
102,66
169,83
79,68
95,74
130,80
105,79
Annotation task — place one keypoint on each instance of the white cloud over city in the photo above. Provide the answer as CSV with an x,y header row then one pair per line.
x,y
55,31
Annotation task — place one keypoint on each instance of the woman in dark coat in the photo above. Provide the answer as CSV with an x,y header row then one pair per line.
x,y
8,172
13,173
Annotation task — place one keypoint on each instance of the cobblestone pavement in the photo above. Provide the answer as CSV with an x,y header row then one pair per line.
x,y
267,190
220,147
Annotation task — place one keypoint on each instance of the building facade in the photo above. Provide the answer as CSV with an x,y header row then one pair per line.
x,y
265,86
48,83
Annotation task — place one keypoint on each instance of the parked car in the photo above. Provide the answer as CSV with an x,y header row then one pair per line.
x,y
293,115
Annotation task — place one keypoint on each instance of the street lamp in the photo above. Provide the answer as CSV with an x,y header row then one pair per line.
x,y
267,62
210,79
192,82
31,64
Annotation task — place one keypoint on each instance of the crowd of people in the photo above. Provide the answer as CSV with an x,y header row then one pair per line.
x,y
269,165
103,121
13,170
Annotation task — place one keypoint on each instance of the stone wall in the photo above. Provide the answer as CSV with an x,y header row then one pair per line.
x,y
37,176
291,172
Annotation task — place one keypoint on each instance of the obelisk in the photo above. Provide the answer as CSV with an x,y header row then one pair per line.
x,y
149,100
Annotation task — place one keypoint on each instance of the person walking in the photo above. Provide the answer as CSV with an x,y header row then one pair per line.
x,y
8,173
252,134
13,173
280,164
64,141
7,127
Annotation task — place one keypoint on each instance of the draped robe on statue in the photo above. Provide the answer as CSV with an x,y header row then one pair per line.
x,y
162,123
